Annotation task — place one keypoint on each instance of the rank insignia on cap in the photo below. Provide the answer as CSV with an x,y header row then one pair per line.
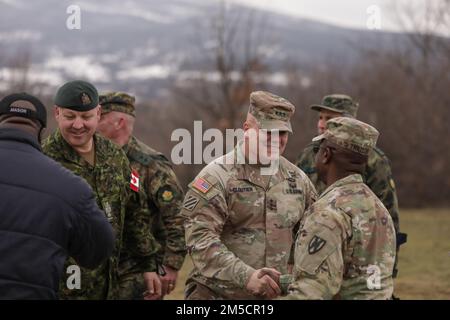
x,y
167,195
134,182
85,99
202,185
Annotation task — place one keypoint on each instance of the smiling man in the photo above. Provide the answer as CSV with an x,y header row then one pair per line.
x,y
239,221
106,168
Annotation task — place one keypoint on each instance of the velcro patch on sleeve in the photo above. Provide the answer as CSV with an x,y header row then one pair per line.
x,y
202,185
311,251
190,202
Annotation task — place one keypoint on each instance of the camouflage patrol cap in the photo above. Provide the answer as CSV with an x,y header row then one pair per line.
x,y
117,101
340,103
271,111
77,95
350,134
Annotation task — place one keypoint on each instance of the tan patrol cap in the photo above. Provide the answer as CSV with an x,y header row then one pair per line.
x,y
350,134
271,111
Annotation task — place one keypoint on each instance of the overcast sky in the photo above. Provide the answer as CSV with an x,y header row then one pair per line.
x,y
349,13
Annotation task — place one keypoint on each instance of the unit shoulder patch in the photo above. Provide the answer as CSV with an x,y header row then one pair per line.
x,y
190,202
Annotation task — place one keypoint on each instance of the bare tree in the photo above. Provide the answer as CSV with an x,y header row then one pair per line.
x,y
234,65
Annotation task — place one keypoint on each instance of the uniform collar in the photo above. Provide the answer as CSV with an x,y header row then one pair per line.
x,y
132,144
252,172
19,136
353,178
69,153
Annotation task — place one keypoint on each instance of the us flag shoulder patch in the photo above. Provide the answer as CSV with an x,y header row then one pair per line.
x,y
134,182
202,185
190,202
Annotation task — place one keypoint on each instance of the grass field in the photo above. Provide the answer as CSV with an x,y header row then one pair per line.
x,y
424,265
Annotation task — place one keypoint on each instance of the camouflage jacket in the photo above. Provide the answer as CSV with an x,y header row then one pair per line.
x,y
345,247
110,181
236,222
164,197
377,176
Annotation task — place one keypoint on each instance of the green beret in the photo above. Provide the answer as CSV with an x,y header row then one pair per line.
x,y
77,95
117,101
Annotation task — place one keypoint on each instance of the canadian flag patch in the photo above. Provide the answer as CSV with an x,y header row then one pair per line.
x,y
134,182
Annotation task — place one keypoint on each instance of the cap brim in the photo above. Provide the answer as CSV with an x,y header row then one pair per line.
x,y
319,137
318,107
275,125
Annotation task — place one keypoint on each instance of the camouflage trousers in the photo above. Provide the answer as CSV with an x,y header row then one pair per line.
x,y
197,291
131,287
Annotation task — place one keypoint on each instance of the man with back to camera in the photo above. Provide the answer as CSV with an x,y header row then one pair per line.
x,y
46,212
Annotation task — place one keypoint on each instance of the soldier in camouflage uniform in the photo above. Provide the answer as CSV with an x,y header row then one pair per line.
x,y
239,221
163,193
345,248
377,174
107,170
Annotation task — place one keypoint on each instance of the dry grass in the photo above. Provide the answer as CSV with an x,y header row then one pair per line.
x,y
424,261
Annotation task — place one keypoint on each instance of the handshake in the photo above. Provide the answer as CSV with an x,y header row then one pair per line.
x,y
268,283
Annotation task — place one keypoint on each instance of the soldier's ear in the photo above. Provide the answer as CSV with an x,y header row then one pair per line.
x,y
121,123
99,112
326,155
57,112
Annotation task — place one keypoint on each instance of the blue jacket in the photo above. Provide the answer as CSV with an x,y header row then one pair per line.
x,y
46,214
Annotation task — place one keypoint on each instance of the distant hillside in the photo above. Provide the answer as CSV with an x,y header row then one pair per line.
x,y
139,44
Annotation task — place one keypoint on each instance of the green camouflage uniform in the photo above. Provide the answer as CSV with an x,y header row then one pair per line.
x,y
237,220
378,174
346,246
110,180
163,196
